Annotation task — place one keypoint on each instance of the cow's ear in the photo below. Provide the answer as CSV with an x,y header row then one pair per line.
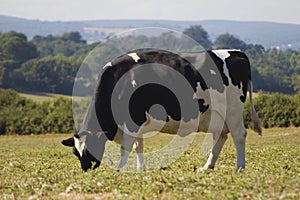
x,y
76,135
68,142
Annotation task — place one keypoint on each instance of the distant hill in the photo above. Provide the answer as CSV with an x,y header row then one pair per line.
x,y
269,34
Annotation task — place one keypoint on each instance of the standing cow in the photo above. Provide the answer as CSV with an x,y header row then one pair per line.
x,y
219,81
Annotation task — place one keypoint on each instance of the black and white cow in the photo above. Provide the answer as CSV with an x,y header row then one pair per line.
x,y
219,80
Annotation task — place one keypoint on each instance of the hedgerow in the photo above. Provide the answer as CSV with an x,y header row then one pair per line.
x,y
275,110
20,115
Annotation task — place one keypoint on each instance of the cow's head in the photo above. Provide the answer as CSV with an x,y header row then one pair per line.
x,y
88,147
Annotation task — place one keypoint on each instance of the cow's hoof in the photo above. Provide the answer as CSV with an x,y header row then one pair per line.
x,y
204,169
240,169
201,169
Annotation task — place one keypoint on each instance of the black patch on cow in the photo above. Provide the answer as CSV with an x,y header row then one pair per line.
x,y
214,81
104,90
211,69
149,95
86,160
239,71
68,142
76,152
220,65
203,108
174,61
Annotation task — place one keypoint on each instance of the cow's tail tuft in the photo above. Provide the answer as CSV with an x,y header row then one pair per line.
x,y
254,116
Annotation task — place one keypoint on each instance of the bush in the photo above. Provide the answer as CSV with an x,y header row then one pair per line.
x,y
275,110
19,115
59,116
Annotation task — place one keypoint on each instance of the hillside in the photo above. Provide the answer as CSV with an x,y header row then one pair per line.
x,y
268,34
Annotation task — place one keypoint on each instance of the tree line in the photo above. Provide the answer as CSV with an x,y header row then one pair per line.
x,y
50,63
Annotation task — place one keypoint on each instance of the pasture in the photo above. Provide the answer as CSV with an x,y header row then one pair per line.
x,y
41,96
39,167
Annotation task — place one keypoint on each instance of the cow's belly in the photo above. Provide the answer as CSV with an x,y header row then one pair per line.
x,y
170,126
182,128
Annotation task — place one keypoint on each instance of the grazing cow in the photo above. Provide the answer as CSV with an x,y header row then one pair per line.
x,y
219,81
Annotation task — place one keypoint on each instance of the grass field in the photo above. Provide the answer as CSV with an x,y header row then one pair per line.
x,y
42,96
39,167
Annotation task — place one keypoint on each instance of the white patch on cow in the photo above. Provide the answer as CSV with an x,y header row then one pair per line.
x,y
133,83
212,72
215,100
197,95
79,145
134,56
107,65
182,128
223,54
121,94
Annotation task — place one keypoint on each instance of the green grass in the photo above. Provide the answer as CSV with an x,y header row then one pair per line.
x,y
39,167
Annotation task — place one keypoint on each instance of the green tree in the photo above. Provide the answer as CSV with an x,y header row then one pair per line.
x,y
6,69
200,35
69,44
296,82
73,36
53,74
14,46
228,41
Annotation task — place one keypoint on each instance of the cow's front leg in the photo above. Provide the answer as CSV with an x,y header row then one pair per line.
x,y
139,148
218,143
126,147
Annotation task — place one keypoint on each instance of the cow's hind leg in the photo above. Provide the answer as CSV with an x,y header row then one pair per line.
x,y
218,143
139,148
235,124
239,133
126,147
239,138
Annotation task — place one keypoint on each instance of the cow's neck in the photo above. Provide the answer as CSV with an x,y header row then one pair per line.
x,y
90,122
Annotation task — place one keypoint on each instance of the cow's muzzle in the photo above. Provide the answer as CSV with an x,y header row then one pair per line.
x,y
88,161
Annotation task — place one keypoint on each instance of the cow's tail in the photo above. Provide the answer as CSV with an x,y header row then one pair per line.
x,y
254,116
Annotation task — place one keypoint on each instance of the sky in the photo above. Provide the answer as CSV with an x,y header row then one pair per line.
x,y
286,11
